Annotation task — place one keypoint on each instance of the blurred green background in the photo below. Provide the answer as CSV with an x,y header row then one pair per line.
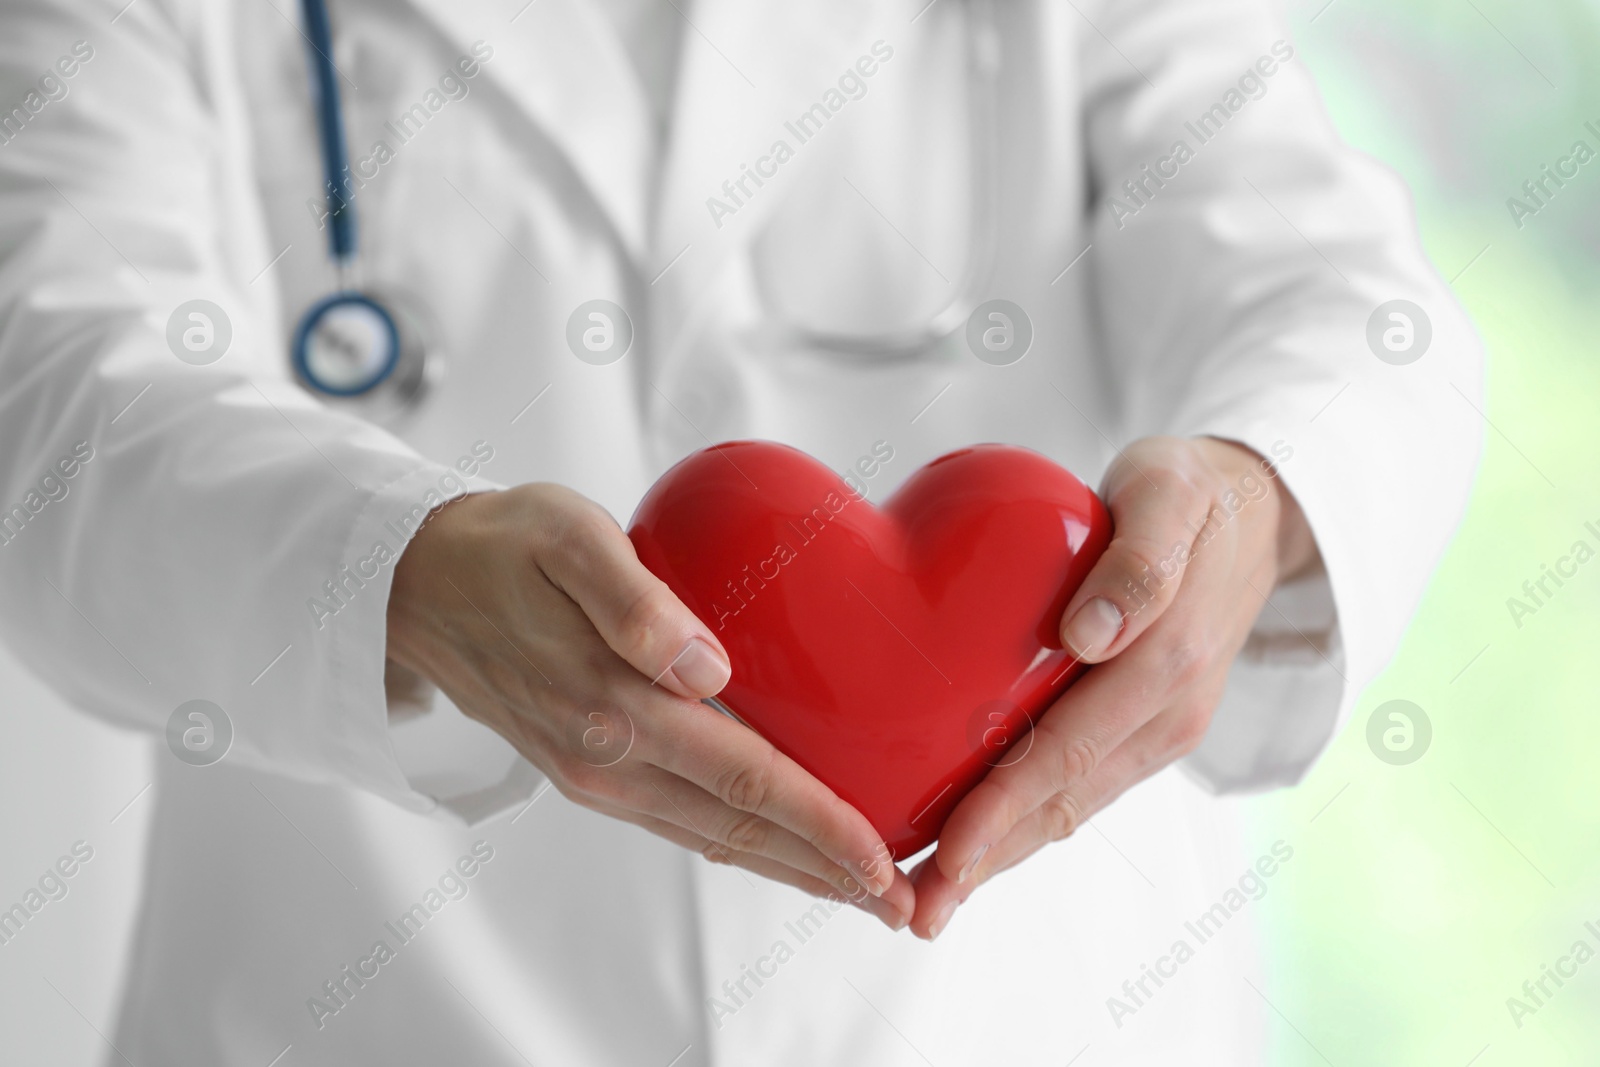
x,y
1425,895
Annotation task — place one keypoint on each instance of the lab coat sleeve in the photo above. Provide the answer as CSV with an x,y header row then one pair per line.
x,y
1234,280
172,531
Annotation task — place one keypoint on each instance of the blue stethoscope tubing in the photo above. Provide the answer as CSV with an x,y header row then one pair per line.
x,y
343,243
330,130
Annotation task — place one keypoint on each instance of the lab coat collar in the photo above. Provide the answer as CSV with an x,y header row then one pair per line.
x,y
746,68
561,62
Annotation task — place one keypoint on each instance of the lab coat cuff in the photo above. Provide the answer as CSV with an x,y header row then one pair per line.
x,y
1284,696
468,770
462,769
361,733
1287,691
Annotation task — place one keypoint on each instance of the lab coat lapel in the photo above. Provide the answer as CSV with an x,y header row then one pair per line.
x,y
746,69
562,63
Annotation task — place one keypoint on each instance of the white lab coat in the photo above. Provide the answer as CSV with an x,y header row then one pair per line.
x,y
180,564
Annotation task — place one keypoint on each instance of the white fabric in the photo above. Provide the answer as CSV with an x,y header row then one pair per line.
x,y
651,31
180,164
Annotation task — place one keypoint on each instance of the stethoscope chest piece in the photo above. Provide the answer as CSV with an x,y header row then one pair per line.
x,y
347,345
352,345
361,346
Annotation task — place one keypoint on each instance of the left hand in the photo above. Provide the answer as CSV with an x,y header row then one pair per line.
x,y
1203,532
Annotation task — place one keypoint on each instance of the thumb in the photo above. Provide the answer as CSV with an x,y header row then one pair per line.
x,y
1154,517
635,613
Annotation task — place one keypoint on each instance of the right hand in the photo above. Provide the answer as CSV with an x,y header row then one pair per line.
x,y
530,610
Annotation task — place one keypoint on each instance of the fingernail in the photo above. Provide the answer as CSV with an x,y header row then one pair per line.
x,y
882,910
700,669
972,864
876,875
852,888
879,875
941,920
1093,628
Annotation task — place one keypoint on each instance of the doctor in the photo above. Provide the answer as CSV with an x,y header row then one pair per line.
x,y
607,234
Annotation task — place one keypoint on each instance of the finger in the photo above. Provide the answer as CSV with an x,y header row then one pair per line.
x,y
1062,815
678,801
1157,509
1187,653
594,563
939,895
892,917
1182,661
1072,741
742,769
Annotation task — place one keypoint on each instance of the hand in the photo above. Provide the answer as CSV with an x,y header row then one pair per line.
x,y
529,609
1203,531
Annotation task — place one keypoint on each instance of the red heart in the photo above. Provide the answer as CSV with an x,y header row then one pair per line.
x,y
896,653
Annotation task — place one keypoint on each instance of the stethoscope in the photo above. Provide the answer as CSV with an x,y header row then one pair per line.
x,y
353,344
983,68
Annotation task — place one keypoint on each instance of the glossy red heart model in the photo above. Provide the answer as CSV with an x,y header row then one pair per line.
x,y
896,653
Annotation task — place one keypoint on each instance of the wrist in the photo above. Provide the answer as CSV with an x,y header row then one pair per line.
x,y
1293,544
419,577
1297,546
